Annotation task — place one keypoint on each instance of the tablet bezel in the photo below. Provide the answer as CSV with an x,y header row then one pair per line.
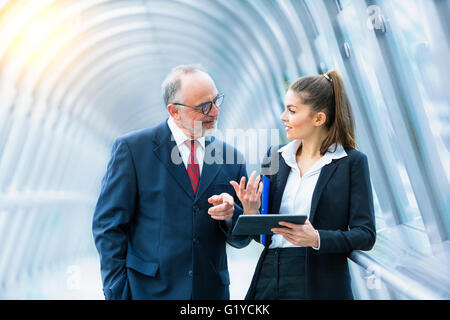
x,y
258,220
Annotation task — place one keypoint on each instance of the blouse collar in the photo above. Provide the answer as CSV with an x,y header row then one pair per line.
x,y
289,151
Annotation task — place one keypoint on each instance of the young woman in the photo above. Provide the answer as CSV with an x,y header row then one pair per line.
x,y
322,175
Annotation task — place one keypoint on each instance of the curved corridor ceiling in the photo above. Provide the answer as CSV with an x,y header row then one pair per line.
x,y
102,62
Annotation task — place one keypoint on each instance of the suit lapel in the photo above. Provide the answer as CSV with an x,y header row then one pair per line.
x,y
325,175
167,151
279,184
210,168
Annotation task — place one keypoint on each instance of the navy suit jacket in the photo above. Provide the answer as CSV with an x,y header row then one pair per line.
x,y
156,239
341,210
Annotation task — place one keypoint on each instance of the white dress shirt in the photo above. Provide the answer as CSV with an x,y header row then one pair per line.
x,y
185,149
297,195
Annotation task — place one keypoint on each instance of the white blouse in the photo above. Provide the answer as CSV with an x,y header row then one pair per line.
x,y
297,195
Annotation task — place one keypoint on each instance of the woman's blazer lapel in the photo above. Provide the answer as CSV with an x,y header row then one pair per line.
x,y
325,175
278,184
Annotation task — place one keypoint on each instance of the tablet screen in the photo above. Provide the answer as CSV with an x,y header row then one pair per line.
x,y
262,223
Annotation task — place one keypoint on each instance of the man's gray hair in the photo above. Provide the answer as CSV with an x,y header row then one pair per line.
x,y
172,83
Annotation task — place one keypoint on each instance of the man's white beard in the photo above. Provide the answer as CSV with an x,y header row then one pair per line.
x,y
198,129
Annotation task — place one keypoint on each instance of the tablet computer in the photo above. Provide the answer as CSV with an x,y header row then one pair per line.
x,y
254,224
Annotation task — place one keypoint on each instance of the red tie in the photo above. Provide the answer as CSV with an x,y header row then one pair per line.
x,y
193,169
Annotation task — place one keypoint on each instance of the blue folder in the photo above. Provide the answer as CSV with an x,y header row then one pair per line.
x,y
265,203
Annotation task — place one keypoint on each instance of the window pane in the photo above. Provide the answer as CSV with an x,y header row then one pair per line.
x,y
378,104
424,48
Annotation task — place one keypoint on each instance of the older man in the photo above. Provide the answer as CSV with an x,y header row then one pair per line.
x,y
156,232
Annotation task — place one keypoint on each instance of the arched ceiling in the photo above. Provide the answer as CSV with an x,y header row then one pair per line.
x,y
102,62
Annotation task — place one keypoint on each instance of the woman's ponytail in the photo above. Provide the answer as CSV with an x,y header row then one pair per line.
x,y
342,129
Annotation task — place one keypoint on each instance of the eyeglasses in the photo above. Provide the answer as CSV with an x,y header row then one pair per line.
x,y
206,107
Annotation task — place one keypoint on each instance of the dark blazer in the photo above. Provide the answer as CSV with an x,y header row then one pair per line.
x,y
342,212
155,239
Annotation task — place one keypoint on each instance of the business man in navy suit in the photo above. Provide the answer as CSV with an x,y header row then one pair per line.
x,y
166,208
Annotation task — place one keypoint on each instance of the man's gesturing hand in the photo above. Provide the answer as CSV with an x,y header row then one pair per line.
x,y
223,206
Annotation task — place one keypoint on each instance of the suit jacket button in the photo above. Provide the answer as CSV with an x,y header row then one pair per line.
x,y
196,208
190,273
